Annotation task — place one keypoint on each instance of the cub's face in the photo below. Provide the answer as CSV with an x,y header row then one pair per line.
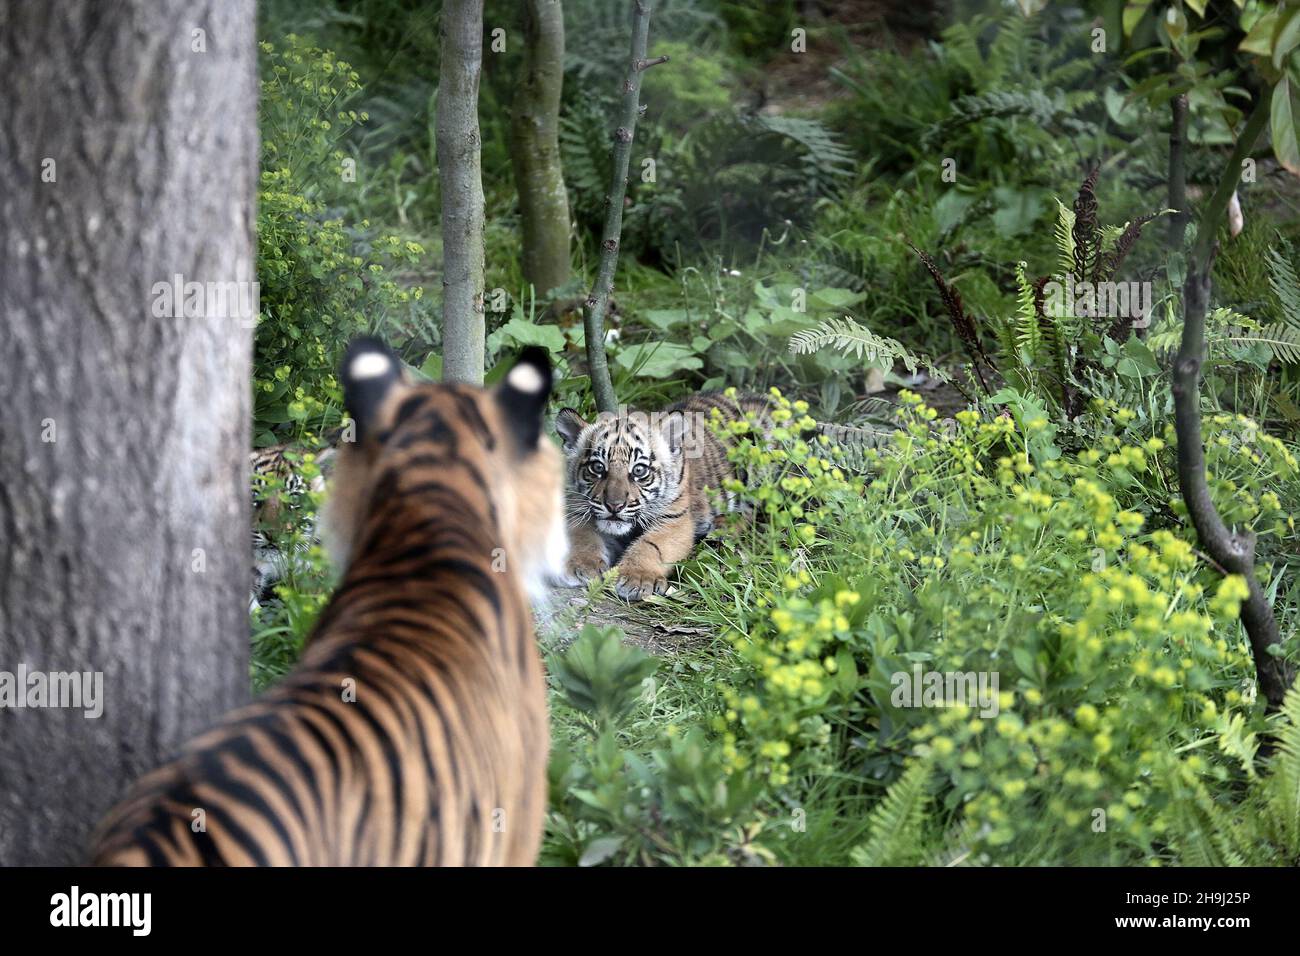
x,y
624,470
471,448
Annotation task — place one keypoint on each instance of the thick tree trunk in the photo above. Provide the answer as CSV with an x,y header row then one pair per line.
x,y
461,183
128,146
543,201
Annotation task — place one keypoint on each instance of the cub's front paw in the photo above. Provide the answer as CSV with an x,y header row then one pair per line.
x,y
638,581
582,568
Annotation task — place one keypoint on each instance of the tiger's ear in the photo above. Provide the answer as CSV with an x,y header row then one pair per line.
x,y
569,425
673,428
522,395
369,372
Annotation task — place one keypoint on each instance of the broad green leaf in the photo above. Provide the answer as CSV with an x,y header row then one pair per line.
x,y
1287,36
1018,210
950,208
664,319
1198,6
600,850
1133,14
497,372
522,332
1260,38
432,367
658,359
1286,145
1024,659
836,299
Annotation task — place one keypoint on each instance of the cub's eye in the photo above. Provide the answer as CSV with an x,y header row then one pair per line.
x,y
641,472
595,469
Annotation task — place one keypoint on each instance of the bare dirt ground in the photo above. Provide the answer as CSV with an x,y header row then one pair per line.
x,y
647,626
803,83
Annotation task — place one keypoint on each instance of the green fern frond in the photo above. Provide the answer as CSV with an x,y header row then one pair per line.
x,y
1264,829
1010,47
1033,105
1283,341
1064,239
894,825
1028,333
1203,832
961,47
825,161
1280,811
847,336
1285,285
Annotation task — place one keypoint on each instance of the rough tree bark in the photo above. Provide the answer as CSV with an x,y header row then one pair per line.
x,y
128,143
598,301
461,183
1233,551
539,178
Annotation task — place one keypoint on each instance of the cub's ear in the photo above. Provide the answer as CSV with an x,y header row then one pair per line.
x,y
673,428
522,395
369,372
569,425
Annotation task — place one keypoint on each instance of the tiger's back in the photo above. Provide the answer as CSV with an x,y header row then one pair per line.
x,y
709,464
414,729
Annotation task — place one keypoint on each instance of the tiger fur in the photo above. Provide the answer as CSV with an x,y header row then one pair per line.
x,y
638,487
414,729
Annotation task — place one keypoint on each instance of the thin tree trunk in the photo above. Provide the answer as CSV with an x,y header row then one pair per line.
x,y
1178,170
598,301
1234,551
128,145
461,182
543,201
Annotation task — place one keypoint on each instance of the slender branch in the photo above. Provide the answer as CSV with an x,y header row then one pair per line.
x,y
1231,551
1218,204
1178,171
598,301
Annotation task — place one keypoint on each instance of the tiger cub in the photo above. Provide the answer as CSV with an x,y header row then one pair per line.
x,y
637,487
414,729
279,494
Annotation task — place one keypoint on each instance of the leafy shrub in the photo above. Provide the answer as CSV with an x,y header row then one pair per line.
x,y
1122,667
321,279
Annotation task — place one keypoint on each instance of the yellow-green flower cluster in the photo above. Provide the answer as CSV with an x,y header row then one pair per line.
x,y
984,548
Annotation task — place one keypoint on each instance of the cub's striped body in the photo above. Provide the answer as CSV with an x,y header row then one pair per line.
x,y
639,486
414,729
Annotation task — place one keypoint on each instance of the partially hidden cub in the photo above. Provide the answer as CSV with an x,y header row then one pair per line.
x,y
638,485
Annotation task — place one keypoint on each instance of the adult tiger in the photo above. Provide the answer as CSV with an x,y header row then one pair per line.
x,y
414,729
